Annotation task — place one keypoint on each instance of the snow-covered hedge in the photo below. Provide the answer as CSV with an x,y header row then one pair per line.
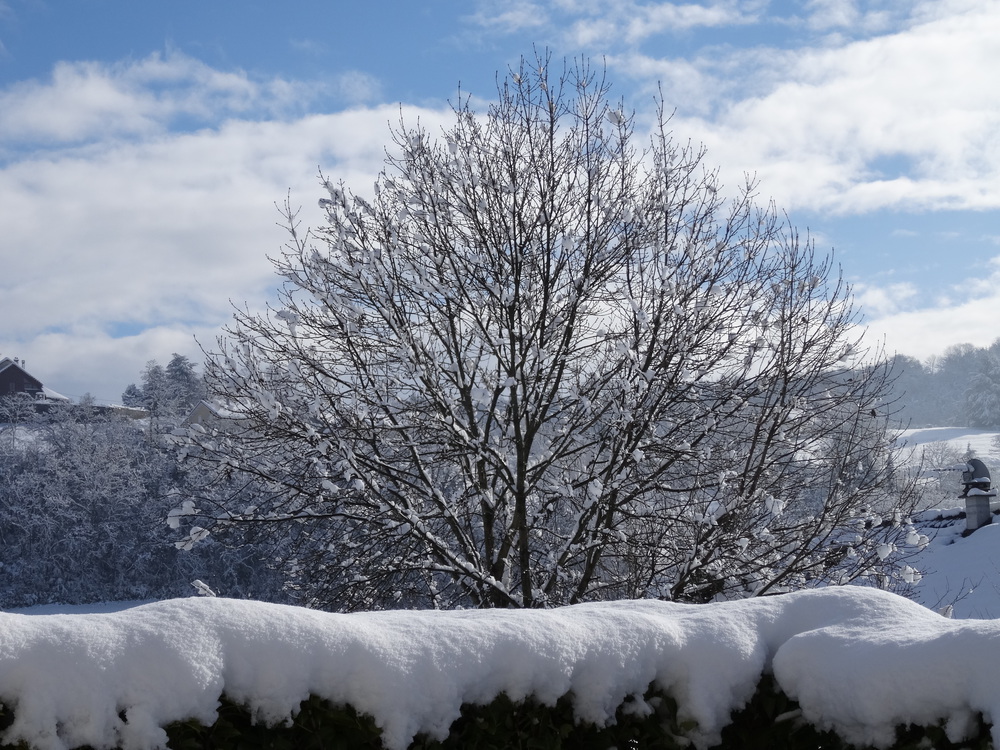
x,y
858,661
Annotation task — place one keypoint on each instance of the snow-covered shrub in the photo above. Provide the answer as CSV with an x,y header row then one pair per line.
x,y
810,669
83,500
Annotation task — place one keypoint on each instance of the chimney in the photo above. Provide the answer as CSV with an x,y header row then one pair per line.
x,y
978,495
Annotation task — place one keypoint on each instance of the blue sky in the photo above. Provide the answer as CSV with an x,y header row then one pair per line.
x,y
143,145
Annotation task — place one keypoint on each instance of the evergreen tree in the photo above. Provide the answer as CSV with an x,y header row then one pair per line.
x,y
155,390
184,387
982,396
166,392
133,397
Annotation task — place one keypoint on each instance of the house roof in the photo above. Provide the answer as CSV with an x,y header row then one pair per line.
x,y
6,365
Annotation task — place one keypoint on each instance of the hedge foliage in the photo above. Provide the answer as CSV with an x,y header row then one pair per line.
x,y
770,720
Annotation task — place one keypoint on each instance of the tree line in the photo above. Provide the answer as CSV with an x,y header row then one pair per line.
x,y
85,495
960,387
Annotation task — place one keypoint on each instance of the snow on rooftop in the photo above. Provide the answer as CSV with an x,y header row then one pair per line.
x,y
963,573
52,395
842,652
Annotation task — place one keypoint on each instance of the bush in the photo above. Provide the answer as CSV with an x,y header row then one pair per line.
x,y
769,720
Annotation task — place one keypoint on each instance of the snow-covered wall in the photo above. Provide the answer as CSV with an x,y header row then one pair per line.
x,y
843,653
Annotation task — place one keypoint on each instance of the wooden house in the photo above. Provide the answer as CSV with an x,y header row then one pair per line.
x,y
14,379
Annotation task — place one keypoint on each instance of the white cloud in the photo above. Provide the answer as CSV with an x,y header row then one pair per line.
x,y
882,301
860,106
642,21
922,328
118,223
853,19
83,361
825,14
358,87
91,100
609,24
831,114
509,17
123,250
931,331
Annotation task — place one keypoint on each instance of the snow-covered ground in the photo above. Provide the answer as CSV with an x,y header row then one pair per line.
x,y
963,573
958,438
99,608
843,653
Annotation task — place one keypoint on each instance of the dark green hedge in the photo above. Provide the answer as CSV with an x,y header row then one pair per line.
x,y
771,721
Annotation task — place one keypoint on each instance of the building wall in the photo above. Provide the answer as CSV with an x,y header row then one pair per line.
x,y
15,380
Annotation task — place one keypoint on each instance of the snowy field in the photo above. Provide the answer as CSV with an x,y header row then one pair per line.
x,y
958,438
937,448
843,653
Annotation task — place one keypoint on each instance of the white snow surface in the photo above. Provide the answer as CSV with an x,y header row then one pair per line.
x,y
960,438
859,660
960,573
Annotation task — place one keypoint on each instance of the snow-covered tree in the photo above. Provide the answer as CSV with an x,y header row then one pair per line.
x,y
155,390
542,365
184,386
166,392
84,494
952,374
133,396
982,395
922,397
15,410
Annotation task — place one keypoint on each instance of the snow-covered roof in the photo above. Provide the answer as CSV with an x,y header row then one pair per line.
x,y
6,363
52,395
47,393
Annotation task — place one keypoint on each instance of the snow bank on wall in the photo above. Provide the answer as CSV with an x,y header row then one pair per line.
x,y
860,661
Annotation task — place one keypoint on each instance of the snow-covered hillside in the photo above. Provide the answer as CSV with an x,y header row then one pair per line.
x,y
843,653
961,573
959,439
